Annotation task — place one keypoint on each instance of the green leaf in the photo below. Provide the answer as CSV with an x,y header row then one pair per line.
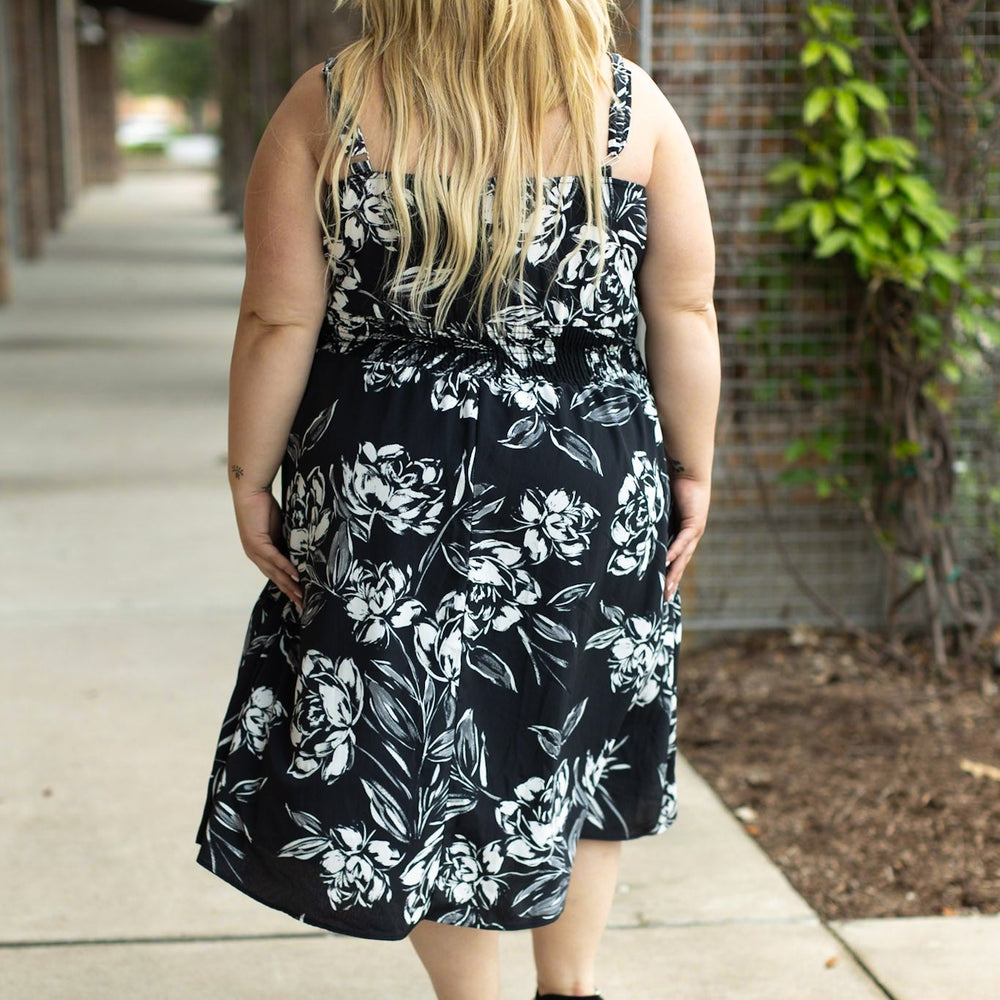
x,y
849,210
947,265
906,449
816,105
794,215
918,190
840,58
870,94
951,372
876,234
940,288
941,223
920,17
820,15
852,159
785,171
913,234
884,186
821,219
832,244
808,178
891,149
796,450
891,209
847,109
813,53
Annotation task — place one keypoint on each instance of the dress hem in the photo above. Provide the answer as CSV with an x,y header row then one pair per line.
x,y
333,928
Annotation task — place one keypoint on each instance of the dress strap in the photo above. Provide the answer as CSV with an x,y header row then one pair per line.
x,y
620,112
358,152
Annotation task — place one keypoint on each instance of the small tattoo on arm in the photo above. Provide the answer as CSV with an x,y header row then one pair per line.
x,y
676,468
237,471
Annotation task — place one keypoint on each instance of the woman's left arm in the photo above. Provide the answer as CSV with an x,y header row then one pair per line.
x,y
280,315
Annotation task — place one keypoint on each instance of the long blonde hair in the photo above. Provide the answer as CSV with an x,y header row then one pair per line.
x,y
478,76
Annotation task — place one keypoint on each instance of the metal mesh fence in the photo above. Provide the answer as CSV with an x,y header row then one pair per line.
x,y
731,71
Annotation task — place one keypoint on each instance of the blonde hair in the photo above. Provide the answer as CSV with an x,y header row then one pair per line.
x,y
478,76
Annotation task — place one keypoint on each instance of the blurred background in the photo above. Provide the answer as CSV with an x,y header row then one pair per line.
x,y
842,618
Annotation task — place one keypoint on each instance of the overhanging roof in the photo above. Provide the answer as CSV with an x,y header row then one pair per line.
x,y
193,12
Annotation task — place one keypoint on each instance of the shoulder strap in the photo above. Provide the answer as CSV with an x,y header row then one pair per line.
x,y
358,148
620,114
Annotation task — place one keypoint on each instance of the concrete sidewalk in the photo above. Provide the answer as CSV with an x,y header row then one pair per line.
x,y
122,612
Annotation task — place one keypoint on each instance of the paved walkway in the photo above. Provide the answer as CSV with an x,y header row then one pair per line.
x,y
123,604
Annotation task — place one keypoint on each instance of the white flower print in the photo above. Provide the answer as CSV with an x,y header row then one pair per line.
x,y
634,527
526,392
260,711
328,701
558,521
366,209
308,517
500,587
472,876
642,650
375,597
406,493
456,389
354,868
535,819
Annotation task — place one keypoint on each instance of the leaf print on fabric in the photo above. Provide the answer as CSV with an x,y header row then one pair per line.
x,y
577,447
261,711
591,772
354,864
557,522
377,599
641,508
406,493
609,404
551,739
329,698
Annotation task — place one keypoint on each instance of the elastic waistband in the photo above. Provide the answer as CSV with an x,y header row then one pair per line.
x,y
572,356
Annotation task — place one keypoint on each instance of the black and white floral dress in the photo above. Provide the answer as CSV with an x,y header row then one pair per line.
x,y
483,669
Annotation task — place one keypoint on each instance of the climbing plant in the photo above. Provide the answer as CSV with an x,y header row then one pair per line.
x,y
925,320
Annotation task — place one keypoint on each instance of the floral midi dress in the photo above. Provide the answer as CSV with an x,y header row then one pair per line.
x,y
483,668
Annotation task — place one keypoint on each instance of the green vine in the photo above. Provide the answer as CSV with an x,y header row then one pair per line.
x,y
862,195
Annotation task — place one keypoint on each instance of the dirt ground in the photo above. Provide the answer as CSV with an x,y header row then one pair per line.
x,y
854,775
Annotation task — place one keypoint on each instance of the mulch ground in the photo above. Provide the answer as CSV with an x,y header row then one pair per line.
x,y
854,775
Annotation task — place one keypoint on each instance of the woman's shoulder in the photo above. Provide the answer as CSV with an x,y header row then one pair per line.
x,y
303,111
653,114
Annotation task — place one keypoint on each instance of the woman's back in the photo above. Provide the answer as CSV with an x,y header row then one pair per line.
x,y
575,310
466,667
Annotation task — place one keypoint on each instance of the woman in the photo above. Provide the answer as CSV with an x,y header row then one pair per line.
x,y
457,686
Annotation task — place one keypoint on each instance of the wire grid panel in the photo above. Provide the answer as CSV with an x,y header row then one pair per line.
x,y
731,71
964,60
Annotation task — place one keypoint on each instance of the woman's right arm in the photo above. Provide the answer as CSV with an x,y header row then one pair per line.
x,y
675,285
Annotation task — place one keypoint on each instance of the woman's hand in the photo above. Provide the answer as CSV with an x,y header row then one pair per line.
x,y
258,517
692,498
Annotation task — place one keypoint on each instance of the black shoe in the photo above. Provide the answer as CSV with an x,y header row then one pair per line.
x,y
559,996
